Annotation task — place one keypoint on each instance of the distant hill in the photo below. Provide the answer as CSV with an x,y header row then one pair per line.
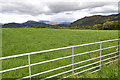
x,y
86,21
31,23
34,23
96,19
65,22
12,25
25,24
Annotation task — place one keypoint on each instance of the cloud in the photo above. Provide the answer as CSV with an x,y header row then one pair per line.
x,y
36,7
6,18
24,7
71,6
53,10
105,9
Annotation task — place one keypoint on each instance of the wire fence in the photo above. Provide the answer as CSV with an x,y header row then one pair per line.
x,y
70,56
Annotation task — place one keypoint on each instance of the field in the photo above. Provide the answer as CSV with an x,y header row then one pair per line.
x,y
24,40
110,71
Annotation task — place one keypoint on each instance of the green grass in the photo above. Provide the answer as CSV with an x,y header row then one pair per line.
x,y
24,40
109,71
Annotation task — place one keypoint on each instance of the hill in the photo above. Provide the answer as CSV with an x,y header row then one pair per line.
x,y
34,23
12,25
96,19
31,23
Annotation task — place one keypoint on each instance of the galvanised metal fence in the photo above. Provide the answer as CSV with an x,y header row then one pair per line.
x,y
72,56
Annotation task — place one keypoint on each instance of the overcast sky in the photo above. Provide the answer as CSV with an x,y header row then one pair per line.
x,y
54,10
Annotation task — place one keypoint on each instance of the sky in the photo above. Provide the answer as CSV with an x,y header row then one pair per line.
x,y
20,11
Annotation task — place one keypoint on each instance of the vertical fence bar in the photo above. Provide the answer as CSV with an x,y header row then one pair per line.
x,y
119,49
100,54
119,54
29,66
73,60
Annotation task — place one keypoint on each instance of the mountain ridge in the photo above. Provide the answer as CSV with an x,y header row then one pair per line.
x,y
95,19
86,21
31,23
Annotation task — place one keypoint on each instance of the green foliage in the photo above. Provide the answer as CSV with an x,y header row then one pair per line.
x,y
97,27
111,25
81,27
57,27
40,26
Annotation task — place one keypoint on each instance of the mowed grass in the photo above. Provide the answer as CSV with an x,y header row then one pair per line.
x,y
24,40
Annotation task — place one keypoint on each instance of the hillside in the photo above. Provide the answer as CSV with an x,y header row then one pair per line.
x,y
31,23
12,25
96,19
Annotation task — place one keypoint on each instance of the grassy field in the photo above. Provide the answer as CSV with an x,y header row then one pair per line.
x,y
24,40
109,71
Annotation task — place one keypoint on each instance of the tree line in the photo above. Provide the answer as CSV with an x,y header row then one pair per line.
x,y
110,25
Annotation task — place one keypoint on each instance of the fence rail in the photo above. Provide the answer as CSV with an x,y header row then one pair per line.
x,y
72,56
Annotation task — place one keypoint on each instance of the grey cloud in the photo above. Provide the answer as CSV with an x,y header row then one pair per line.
x,y
47,7
105,9
22,8
71,6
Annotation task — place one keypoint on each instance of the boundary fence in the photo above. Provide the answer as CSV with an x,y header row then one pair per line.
x,y
72,56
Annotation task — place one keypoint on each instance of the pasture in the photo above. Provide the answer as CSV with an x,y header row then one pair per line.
x,y
24,40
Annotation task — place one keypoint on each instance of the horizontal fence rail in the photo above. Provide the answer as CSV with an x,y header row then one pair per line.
x,y
70,56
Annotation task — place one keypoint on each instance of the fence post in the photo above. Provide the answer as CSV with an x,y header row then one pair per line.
x,y
119,50
119,54
72,60
29,66
100,53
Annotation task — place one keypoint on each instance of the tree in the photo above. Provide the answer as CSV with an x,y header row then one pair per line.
x,y
97,27
111,25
